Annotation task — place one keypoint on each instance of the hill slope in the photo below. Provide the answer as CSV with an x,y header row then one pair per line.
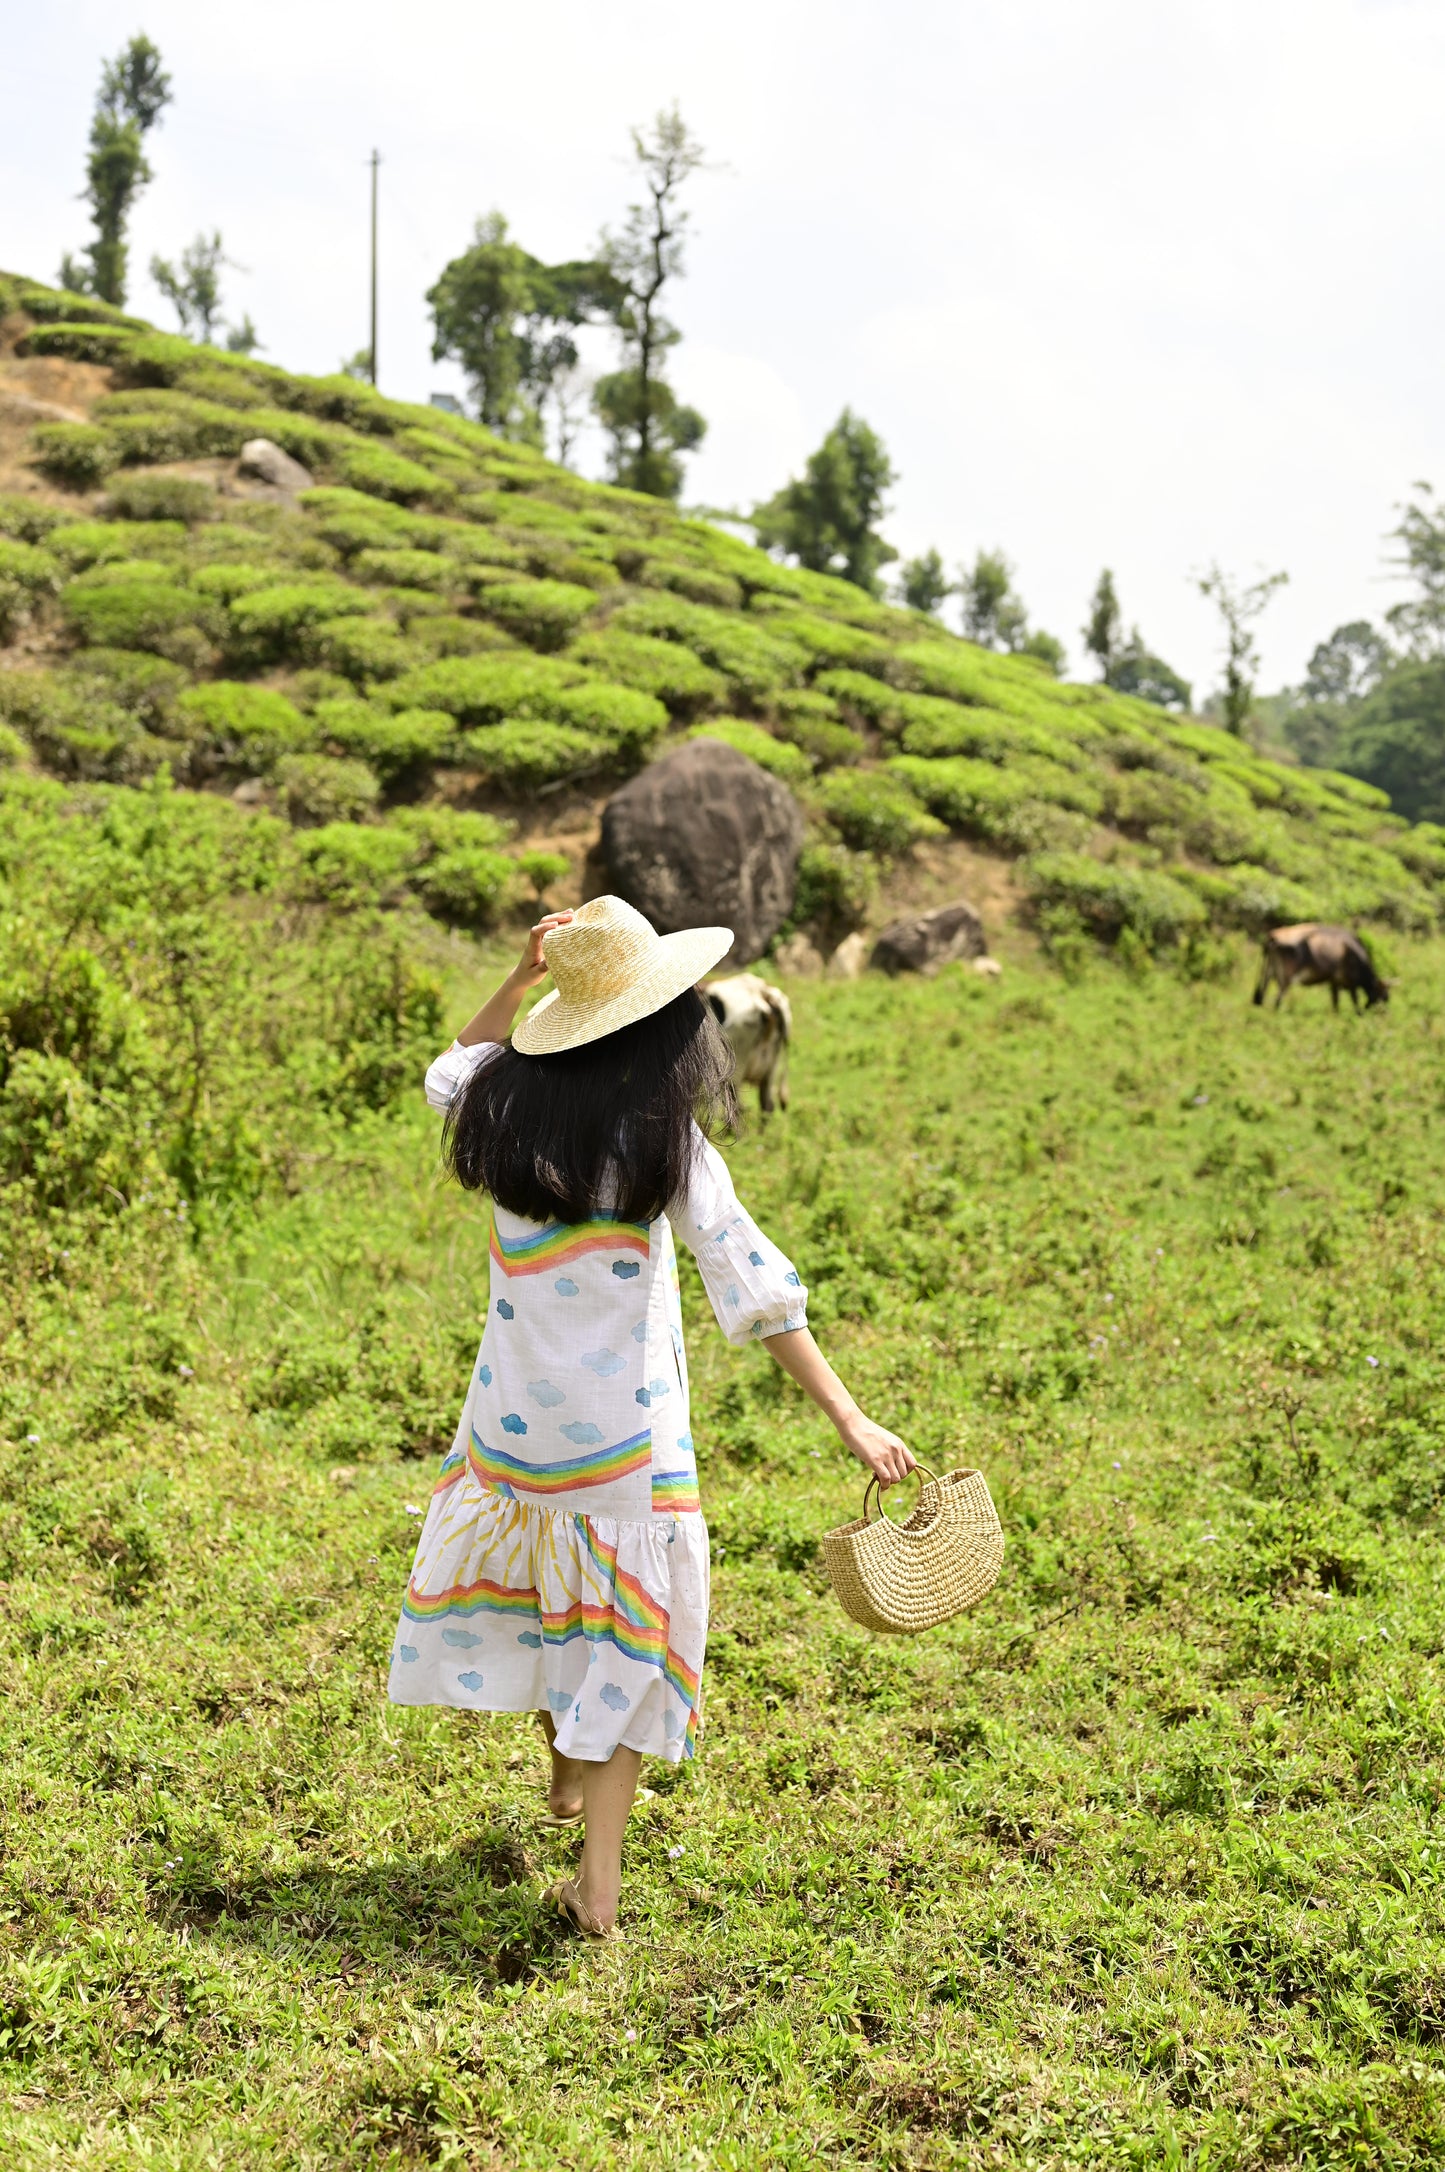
x,y
448,642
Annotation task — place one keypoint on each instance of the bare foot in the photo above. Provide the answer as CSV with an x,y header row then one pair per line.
x,y
564,1791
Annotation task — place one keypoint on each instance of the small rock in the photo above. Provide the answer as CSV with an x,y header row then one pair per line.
x,y
342,1474
849,959
250,792
929,940
986,968
799,958
267,463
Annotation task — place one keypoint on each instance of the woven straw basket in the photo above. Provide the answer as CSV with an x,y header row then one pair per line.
x,y
902,1577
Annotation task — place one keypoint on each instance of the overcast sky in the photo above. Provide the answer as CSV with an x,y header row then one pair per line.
x,y
1142,283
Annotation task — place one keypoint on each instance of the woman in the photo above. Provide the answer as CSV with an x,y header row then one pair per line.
x,y
563,1564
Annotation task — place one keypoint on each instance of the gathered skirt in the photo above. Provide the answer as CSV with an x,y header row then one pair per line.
x,y
601,1621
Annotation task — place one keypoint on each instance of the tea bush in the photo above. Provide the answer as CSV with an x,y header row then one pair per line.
x,y
775,755
150,613
525,757
362,649
543,613
396,746
242,728
160,497
76,455
660,668
874,812
322,788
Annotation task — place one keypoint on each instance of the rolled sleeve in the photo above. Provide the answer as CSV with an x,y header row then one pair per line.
x,y
753,1287
446,1077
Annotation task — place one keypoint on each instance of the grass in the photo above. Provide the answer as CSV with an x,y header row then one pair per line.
x,y
1138,1865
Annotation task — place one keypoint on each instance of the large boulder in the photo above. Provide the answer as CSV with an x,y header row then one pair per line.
x,y
929,940
706,838
264,462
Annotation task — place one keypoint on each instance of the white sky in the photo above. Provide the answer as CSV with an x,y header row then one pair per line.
x,y
1133,282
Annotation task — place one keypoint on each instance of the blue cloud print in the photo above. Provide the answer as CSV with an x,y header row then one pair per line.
x,y
793,1277
615,1698
462,1638
471,1679
511,1423
530,1638
582,1434
484,1374
604,1363
565,1286
406,1653
543,1392
508,1312
559,1699
652,1393
756,1258
625,1269
639,1333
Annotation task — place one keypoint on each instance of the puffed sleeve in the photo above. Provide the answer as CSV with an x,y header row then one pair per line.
x,y
754,1288
446,1077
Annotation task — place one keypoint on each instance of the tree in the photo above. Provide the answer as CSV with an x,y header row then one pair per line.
x,y
923,583
243,338
193,288
134,89
1348,666
828,519
1104,631
508,319
1420,621
1045,649
1238,607
649,426
993,614
1397,740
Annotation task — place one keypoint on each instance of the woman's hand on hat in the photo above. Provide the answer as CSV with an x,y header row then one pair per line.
x,y
533,966
878,1450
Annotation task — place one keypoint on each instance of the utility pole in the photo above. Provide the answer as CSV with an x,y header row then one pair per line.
x,y
375,162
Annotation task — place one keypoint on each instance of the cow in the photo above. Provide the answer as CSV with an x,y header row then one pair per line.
x,y
1313,954
757,1024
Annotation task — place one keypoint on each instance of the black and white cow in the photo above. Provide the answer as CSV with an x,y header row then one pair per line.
x,y
757,1022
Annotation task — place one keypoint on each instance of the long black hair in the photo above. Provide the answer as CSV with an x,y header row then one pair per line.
x,y
605,1129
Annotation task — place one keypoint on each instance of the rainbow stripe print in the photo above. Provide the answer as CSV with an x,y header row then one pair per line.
x,y
454,1464
510,1475
483,1597
674,1493
563,1243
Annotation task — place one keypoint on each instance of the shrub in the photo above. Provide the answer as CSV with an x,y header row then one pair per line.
x,y
447,634
348,863
756,661
384,474
629,721
145,685
238,727
487,689
982,797
1111,897
473,548
775,755
541,612
865,696
395,746
25,573
661,668
76,733
226,582
363,648
829,643
875,812
543,870
322,788
835,890
96,542
30,520
407,569
12,747
810,721
160,497
143,614
524,756
465,886
153,426
694,582
271,623
74,454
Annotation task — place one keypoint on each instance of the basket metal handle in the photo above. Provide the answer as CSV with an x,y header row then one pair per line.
x,y
873,1488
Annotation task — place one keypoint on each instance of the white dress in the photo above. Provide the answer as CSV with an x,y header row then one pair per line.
x,y
563,1564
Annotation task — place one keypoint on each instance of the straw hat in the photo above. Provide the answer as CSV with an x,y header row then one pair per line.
x,y
611,968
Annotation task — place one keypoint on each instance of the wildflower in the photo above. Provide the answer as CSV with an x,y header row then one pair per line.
x,y
187,1372
1108,1297
1372,1361
32,1436
1201,1101
629,2036
412,1509
674,1853
1118,1466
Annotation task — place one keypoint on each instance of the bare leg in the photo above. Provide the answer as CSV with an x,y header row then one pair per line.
x,y
607,1792
564,1791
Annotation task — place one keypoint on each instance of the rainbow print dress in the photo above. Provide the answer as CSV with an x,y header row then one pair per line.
x,y
563,1563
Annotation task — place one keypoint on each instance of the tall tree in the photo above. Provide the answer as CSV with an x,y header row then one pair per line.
x,y
193,287
828,518
1239,606
1125,662
1420,622
134,88
508,319
648,425
993,613
1104,629
923,583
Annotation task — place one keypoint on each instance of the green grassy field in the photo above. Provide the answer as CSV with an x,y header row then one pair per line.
x,y
1138,1865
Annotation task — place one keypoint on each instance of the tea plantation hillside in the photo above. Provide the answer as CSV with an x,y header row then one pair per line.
x,y
424,660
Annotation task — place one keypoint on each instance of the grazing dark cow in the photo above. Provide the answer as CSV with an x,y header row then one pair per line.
x,y
757,1023
1315,955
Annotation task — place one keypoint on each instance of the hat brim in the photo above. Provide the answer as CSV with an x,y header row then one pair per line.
x,y
678,962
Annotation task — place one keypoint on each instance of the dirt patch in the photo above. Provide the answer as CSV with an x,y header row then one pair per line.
x,y
34,389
